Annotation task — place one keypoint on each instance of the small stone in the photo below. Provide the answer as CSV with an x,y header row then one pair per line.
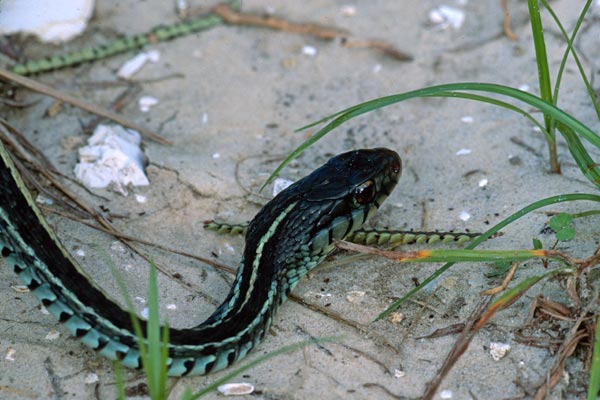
x,y
499,350
236,389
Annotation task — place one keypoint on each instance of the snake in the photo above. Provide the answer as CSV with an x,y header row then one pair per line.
x,y
287,238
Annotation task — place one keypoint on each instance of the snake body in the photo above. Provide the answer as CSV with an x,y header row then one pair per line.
x,y
291,235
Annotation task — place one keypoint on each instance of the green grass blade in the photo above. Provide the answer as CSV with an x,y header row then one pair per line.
x,y
463,255
571,49
282,350
446,90
584,161
480,239
119,381
595,368
541,57
155,368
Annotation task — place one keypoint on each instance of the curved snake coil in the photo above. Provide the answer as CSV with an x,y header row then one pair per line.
x,y
290,236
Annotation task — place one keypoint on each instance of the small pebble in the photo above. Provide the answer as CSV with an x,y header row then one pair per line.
x,y
463,152
80,252
467,119
445,17
499,350
354,295
145,312
483,183
524,87
464,216
140,198
146,102
399,373
10,354
446,394
53,335
348,10
171,306
91,378
236,389
309,51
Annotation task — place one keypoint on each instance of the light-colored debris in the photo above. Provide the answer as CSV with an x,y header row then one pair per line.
x,y
463,152
309,50
10,354
91,378
147,102
499,350
135,64
464,216
353,296
54,21
444,17
236,389
112,156
53,335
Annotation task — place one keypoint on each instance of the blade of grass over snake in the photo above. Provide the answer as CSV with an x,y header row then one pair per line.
x,y
477,241
255,362
447,90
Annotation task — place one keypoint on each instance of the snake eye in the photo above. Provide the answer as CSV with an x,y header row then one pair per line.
x,y
365,193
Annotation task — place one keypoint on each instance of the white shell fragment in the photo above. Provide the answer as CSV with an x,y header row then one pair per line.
x,y
91,378
464,216
524,87
446,394
482,183
10,354
133,65
464,152
309,51
399,373
112,156
445,17
140,198
146,102
53,335
236,389
348,10
499,350
354,296
280,184
54,21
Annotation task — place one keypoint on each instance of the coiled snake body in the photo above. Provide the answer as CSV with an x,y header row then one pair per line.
x,y
291,235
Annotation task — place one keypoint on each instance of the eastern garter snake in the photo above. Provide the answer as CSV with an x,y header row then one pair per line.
x,y
290,236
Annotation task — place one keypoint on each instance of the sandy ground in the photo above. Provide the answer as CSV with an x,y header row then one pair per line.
x,y
238,95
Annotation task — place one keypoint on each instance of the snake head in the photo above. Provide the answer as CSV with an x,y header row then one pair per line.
x,y
300,223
